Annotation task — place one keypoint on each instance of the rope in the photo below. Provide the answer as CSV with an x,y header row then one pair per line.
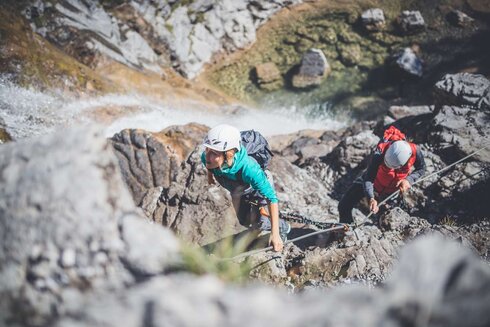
x,y
252,252
346,227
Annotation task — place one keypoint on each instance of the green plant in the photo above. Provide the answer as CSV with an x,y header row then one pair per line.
x,y
448,221
199,261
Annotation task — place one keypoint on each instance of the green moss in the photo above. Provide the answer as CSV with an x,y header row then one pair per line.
x,y
332,31
329,36
169,27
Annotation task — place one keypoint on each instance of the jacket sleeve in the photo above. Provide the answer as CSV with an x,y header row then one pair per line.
x,y
254,175
371,173
419,167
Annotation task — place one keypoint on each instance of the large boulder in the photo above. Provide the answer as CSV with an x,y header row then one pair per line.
x,y
463,89
69,226
149,160
373,19
313,70
408,61
463,129
268,76
167,179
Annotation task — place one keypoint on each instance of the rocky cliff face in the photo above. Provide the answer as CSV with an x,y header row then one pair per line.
x,y
151,35
75,249
328,163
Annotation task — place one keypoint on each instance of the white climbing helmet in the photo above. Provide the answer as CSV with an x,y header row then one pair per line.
x,y
397,154
223,138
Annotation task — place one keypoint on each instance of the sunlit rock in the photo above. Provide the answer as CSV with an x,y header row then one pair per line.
x,y
268,76
411,22
408,61
373,19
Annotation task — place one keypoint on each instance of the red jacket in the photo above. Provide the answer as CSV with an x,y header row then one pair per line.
x,y
386,178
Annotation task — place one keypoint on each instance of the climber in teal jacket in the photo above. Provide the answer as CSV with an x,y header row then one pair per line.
x,y
244,171
229,164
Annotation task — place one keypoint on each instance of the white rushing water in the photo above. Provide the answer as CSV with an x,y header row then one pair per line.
x,y
27,113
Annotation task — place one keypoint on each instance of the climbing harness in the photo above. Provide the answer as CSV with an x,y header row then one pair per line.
x,y
342,227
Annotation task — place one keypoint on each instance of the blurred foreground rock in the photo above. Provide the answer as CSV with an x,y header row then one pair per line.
x,y
434,284
69,227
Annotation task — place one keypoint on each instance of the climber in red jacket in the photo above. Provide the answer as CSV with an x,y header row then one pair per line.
x,y
395,165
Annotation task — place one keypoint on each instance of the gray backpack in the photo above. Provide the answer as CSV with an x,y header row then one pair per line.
x,y
257,147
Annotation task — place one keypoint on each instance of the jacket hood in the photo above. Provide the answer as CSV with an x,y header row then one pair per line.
x,y
239,161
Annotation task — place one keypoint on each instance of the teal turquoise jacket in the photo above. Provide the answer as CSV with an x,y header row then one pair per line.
x,y
250,171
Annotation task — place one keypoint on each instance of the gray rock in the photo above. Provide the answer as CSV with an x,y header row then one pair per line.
x,y
459,18
464,129
147,260
104,34
352,151
149,203
293,187
268,76
411,22
268,268
463,89
373,19
398,112
313,70
145,162
395,219
427,277
60,201
435,282
149,34
65,205
409,62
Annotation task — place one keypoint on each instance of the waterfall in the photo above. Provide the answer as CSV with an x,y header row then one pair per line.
x,y
29,112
